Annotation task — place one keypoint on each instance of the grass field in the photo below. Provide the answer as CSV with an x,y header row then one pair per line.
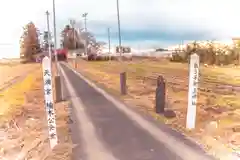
x,y
218,94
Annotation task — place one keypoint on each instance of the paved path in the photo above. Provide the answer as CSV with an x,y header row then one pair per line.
x,y
104,129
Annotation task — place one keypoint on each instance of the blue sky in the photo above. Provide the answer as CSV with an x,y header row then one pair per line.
x,y
143,22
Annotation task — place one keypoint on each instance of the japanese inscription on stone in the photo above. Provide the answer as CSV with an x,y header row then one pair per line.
x,y
192,91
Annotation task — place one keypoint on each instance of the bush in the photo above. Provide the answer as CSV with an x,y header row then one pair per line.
x,y
208,54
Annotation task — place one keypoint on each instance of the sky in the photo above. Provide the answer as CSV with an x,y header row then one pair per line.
x,y
144,23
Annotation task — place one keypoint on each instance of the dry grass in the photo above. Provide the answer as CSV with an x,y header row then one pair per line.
x,y
24,132
217,97
12,71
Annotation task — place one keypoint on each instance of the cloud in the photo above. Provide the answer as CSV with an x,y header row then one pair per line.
x,y
152,20
169,20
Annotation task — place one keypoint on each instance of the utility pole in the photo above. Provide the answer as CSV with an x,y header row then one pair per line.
x,y
109,41
55,36
119,31
123,75
72,22
84,15
58,86
49,38
85,20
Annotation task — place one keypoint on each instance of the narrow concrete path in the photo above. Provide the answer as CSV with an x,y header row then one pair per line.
x,y
105,130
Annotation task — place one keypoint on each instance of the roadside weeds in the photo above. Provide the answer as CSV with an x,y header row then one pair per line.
x,y
23,124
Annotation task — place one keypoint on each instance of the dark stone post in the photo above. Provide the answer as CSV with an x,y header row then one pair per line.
x,y
58,88
123,83
160,95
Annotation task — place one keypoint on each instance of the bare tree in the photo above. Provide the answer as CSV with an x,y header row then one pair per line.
x,y
71,38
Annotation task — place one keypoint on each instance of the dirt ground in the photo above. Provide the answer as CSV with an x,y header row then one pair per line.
x,y
23,124
218,104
